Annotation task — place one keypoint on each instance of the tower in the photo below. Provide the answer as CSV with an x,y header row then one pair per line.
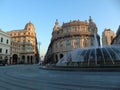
x,y
107,37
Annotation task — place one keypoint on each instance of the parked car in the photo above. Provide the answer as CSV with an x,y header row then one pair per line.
x,y
3,62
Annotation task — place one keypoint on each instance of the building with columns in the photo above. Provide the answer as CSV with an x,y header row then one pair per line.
x,y
5,41
24,45
71,35
107,37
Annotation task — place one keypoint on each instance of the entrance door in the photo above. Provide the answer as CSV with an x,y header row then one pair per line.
x,y
28,59
23,59
15,58
31,59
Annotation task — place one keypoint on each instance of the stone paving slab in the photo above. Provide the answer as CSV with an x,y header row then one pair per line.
x,y
31,77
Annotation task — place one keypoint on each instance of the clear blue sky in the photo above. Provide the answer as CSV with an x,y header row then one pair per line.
x,y
14,14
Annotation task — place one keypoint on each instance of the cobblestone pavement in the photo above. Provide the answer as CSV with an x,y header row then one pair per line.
x,y
31,77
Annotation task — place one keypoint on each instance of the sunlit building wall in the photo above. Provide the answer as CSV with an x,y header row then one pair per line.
x,y
72,35
24,45
107,37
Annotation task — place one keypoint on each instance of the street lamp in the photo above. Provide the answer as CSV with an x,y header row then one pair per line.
x,y
39,51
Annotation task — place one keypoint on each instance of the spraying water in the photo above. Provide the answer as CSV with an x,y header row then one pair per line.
x,y
95,40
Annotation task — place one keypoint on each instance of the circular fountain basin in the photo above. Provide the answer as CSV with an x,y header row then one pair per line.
x,y
92,57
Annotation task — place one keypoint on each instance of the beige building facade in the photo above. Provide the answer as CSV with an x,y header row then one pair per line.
x,y
72,35
107,37
24,45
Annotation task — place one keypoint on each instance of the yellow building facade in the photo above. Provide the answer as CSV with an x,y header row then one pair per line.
x,y
24,45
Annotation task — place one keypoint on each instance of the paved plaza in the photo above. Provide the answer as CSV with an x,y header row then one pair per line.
x,y
31,77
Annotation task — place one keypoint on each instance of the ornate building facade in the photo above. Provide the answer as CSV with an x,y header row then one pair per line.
x,y
107,37
69,36
5,41
116,40
24,45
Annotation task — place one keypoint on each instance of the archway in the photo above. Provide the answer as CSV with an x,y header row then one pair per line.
x,y
61,55
6,59
15,58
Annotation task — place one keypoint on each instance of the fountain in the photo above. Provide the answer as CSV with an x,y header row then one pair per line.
x,y
92,56
101,56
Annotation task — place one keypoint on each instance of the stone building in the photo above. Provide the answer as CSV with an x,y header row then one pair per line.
x,y
24,45
107,37
116,40
5,41
72,35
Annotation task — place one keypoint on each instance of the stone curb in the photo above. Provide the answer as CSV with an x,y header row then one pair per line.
x,y
81,69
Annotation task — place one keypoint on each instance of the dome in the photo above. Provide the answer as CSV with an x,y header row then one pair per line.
x,y
100,56
29,26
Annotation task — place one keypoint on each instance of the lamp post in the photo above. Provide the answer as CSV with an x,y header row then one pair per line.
x,y
39,52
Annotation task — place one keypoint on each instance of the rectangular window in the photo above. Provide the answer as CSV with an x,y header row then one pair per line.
x,y
7,41
68,43
1,39
6,51
0,50
82,28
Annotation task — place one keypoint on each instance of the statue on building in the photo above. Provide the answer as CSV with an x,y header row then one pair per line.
x,y
92,26
57,26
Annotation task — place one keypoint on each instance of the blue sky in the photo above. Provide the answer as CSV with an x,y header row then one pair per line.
x,y
14,14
